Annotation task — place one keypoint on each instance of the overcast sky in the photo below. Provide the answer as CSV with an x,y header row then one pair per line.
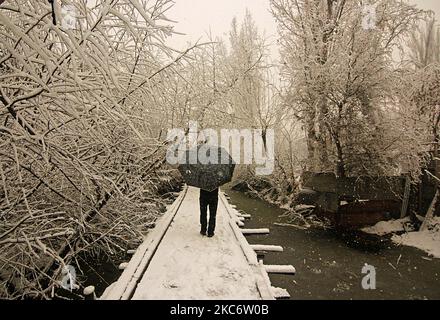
x,y
196,17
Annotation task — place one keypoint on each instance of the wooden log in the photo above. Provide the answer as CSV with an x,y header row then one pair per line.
x,y
280,269
266,248
131,252
239,223
246,216
255,231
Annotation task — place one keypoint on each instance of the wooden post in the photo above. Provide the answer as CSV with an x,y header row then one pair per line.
x,y
123,266
89,293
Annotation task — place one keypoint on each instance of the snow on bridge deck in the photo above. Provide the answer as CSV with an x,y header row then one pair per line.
x,y
177,263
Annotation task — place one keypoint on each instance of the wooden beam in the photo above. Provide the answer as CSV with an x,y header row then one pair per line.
x,y
267,248
268,293
280,293
250,255
280,269
255,231
239,223
262,278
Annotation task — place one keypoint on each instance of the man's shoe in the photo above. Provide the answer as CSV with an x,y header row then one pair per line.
x,y
203,233
210,235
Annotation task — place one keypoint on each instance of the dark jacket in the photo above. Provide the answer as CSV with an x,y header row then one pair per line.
x,y
208,195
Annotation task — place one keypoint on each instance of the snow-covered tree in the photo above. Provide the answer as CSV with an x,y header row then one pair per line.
x,y
81,157
246,61
424,44
340,79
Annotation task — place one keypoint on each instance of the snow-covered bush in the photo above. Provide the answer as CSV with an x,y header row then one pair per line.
x,y
80,126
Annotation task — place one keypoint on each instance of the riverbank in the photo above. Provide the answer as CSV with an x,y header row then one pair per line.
x,y
403,233
329,263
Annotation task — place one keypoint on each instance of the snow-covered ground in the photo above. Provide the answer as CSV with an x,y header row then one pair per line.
x,y
192,267
428,241
386,227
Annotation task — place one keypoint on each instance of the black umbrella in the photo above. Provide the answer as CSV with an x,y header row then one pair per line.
x,y
207,173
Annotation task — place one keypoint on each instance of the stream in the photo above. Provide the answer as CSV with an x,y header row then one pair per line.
x,y
329,263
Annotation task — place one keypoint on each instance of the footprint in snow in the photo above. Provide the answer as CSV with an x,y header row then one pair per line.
x,y
227,252
215,292
232,275
170,286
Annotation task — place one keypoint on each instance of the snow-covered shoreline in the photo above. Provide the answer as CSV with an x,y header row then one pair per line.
x,y
428,241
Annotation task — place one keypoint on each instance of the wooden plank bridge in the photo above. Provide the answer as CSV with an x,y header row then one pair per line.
x,y
176,263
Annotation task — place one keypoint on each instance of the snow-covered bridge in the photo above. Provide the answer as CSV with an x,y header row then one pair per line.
x,y
176,262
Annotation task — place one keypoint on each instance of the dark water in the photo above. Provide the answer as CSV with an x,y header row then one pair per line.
x,y
98,271
329,263
101,272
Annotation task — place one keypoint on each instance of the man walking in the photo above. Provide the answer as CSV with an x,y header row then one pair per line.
x,y
208,200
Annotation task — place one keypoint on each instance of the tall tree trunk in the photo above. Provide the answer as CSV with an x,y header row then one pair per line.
x,y
437,155
340,166
311,141
437,145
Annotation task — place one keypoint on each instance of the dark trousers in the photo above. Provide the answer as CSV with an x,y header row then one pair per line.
x,y
208,200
